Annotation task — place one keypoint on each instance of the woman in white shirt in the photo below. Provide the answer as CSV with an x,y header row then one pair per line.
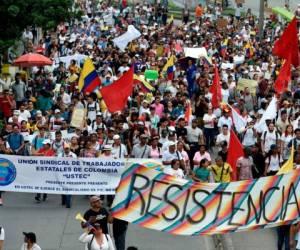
x,y
175,169
273,162
209,120
286,137
98,240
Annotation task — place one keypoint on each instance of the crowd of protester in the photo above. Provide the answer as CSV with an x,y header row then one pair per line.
x,y
36,111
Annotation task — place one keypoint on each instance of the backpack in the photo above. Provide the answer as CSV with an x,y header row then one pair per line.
x,y
277,135
269,157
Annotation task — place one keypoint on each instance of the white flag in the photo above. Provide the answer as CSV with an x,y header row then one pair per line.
x,y
122,41
238,121
269,114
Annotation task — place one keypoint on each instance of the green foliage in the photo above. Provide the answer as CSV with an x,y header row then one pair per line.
x,y
16,15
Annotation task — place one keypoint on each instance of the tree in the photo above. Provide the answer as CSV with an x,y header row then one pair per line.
x,y
16,15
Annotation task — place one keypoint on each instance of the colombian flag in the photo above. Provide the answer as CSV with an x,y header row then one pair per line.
x,y
169,68
145,86
249,50
89,79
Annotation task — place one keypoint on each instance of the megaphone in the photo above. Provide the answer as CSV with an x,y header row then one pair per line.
x,y
80,217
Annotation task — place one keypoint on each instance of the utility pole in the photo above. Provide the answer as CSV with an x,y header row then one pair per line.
x,y
261,19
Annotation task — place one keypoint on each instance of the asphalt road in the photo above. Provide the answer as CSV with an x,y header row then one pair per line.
x,y
57,229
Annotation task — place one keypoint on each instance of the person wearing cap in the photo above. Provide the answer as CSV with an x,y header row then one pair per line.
x,y
106,152
283,121
56,120
30,242
144,109
119,150
141,150
15,118
273,161
171,138
95,239
97,214
170,154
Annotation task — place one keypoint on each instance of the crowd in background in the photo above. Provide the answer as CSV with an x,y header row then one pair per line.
x,y
36,106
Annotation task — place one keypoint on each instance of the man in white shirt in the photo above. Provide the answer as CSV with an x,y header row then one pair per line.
x,y
65,97
141,150
2,237
171,154
24,114
269,137
92,108
223,136
119,150
225,119
194,133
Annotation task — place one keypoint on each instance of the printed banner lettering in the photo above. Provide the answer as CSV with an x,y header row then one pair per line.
x,y
154,200
51,175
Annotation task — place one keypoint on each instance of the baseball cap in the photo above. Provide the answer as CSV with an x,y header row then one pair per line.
x,y
31,236
116,137
47,141
99,114
107,148
172,143
56,111
94,198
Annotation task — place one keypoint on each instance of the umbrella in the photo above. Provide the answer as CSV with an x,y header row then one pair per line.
x,y
32,59
183,62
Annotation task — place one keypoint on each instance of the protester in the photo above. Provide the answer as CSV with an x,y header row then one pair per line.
x,y
174,169
97,214
30,242
222,171
97,240
244,166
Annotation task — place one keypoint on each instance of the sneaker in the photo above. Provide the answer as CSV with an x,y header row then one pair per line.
x,y
1,202
44,197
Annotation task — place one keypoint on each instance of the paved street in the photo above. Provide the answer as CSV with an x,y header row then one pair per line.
x,y
57,229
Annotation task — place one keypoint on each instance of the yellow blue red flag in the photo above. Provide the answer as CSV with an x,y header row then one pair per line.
x,y
89,79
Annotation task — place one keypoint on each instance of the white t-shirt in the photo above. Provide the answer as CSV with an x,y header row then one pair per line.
x,y
25,115
176,173
193,134
119,153
225,95
269,139
275,162
209,118
2,234
249,138
221,137
222,121
168,156
34,247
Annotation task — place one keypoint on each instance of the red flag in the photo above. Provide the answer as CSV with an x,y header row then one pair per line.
x,y
284,77
188,113
287,44
116,94
235,151
215,89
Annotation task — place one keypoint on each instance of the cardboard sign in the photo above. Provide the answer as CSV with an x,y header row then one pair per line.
x,y
222,23
251,84
78,118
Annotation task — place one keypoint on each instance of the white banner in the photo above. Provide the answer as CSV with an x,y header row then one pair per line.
x,y
84,176
195,52
131,34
